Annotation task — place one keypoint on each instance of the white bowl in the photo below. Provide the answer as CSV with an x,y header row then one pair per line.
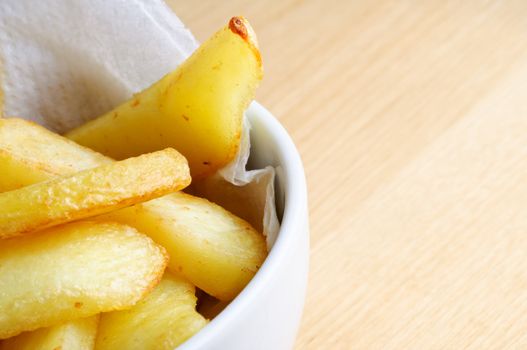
x,y
266,314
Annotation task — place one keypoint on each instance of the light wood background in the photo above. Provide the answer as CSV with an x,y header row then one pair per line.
x,y
411,118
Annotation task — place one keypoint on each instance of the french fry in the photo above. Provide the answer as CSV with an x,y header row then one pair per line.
x,y
74,271
196,109
92,192
75,335
212,248
25,145
215,250
163,320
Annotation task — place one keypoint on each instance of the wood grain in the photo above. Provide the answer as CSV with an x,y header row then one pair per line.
x,y
411,118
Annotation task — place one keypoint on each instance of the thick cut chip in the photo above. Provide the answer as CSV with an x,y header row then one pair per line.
x,y
74,335
197,109
212,248
74,271
163,320
25,145
215,250
92,192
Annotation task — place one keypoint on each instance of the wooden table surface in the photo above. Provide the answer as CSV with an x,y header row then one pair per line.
x,y
411,118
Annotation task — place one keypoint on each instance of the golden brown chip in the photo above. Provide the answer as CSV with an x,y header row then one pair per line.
x,y
92,192
163,320
74,271
196,109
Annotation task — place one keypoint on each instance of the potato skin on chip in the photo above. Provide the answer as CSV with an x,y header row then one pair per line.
x,y
73,271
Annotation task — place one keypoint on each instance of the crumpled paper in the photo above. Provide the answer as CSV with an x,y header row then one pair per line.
x,y
65,62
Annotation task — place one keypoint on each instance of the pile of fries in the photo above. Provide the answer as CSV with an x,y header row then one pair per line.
x,y
99,248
